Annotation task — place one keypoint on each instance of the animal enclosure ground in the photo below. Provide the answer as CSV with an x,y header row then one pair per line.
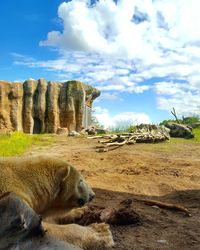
x,y
168,172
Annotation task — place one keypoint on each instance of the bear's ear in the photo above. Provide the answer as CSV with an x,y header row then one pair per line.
x,y
63,173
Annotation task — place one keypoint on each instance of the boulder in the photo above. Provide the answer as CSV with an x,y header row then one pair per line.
x,y
180,130
74,133
91,131
62,131
101,131
195,125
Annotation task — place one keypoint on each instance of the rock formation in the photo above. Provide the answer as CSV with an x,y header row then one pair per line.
x,y
180,130
44,107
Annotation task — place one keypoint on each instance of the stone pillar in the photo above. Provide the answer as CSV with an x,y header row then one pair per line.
x,y
5,122
52,121
39,103
29,91
15,97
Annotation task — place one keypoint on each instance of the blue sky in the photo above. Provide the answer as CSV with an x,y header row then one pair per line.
x,y
144,56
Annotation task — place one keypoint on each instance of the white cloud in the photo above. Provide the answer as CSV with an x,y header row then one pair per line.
x,y
108,96
110,28
116,47
194,80
121,120
182,96
172,88
88,68
154,38
104,28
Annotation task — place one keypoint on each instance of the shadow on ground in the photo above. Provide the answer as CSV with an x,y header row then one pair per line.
x,y
161,228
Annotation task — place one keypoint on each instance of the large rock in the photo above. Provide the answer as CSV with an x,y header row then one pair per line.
x,y
41,106
180,130
28,105
91,94
72,101
11,95
52,109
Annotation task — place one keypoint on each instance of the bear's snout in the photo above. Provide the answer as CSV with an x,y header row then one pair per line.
x,y
81,202
91,196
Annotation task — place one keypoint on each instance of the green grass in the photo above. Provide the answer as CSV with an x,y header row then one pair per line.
x,y
196,132
123,129
17,143
174,143
196,138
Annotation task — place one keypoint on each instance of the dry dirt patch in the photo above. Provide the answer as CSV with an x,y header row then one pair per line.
x,y
168,172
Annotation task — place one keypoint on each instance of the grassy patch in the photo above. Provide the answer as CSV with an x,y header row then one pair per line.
x,y
167,146
196,138
123,129
17,143
196,132
174,143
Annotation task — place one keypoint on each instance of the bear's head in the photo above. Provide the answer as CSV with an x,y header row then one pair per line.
x,y
74,190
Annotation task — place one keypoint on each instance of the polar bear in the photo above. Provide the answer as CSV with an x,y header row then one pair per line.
x,y
51,187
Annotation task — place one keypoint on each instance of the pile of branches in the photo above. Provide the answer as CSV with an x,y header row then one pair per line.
x,y
144,133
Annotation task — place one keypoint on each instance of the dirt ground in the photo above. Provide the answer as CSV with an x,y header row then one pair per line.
x,y
168,172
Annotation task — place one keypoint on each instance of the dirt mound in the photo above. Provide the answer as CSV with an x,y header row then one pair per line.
x,y
123,214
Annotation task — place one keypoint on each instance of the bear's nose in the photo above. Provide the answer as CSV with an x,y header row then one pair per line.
x,y
91,196
81,202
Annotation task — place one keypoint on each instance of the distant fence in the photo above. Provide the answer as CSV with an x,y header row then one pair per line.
x,y
87,117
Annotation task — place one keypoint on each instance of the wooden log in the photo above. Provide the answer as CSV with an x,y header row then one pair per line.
x,y
116,143
166,205
102,136
112,144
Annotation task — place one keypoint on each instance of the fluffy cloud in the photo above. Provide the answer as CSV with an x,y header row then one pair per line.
x,y
182,96
91,69
156,38
109,96
127,46
106,27
121,120
132,29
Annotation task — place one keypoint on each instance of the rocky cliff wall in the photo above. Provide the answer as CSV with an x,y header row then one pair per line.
x,y
38,106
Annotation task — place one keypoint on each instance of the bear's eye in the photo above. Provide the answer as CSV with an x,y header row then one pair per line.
x,y
81,183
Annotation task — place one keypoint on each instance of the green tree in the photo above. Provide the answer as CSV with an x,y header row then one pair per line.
x,y
190,119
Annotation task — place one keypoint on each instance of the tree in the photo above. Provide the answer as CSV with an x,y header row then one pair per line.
x,y
174,114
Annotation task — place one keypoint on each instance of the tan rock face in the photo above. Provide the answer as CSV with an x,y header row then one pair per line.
x,y
10,106
41,106
28,101
52,118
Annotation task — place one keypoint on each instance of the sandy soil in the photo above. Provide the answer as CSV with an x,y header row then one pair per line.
x,y
168,172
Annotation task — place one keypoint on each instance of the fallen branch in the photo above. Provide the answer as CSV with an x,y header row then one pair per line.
x,y
106,149
95,137
112,144
169,206
144,134
102,136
